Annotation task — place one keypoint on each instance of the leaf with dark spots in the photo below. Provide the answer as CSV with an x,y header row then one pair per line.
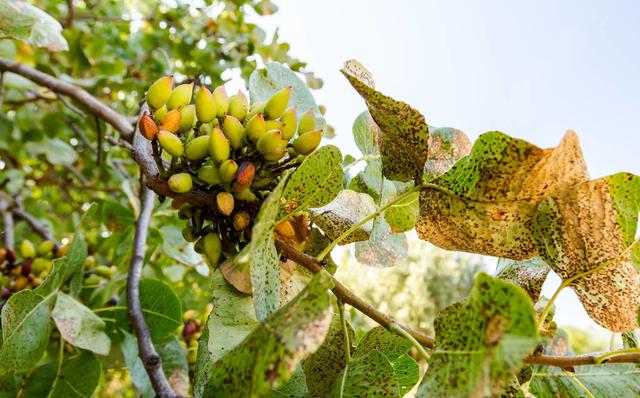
x,y
485,202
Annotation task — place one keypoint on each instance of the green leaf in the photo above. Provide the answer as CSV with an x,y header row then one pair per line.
x,y
8,387
403,215
40,381
379,367
65,267
174,246
592,224
366,134
25,331
78,377
267,357
263,83
23,21
316,182
485,202
174,365
600,380
295,388
481,341
384,248
342,213
161,308
368,375
404,138
446,146
528,274
231,320
323,367
79,326
55,150
261,257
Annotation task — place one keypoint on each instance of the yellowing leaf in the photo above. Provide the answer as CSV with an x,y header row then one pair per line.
x,y
485,202
590,225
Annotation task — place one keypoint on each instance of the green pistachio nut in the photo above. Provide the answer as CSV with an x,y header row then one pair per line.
x,y
273,125
206,109
246,195
40,266
159,92
180,96
219,146
188,119
276,155
277,104
307,142
255,127
289,123
228,170
180,182
159,114
189,234
307,122
45,247
222,101
197,148
205,129
256,107
238,106
234,131
225,203
27,249
209,174
211,248
269,141
104,271
92,280
170,143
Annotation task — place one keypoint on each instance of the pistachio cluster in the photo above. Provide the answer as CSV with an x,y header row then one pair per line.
x,y
28,271
233,151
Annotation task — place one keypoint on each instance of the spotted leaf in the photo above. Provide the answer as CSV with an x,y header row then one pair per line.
x,y
485,202
592,225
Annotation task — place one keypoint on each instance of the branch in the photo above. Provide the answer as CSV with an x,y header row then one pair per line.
x,y
347,296
148,355
7,222
34,224
68,22
109,115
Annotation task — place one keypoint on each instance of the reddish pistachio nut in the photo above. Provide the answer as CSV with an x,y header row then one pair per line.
x,y
148,128
225,203
245,174
171,121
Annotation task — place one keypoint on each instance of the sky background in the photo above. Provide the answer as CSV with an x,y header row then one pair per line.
x,y
531,70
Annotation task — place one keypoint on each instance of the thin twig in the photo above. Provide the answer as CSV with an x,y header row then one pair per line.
x,y
345,332
106,113
34,224
68,21
147,352
347,296
7,223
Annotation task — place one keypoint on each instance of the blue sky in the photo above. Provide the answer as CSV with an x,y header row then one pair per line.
x,y
529,69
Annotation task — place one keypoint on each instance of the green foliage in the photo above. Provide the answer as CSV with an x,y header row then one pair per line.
x,y
598,381
502,322
23,21
267,357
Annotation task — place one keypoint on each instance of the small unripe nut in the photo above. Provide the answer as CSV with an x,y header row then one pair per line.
x,y
159,92
198,148
180,182
234,131
209,174
205,105
238,106
222,101
188,118
180,96
219,146
170,143
255,127
277,104
307,142
27,249
228,170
